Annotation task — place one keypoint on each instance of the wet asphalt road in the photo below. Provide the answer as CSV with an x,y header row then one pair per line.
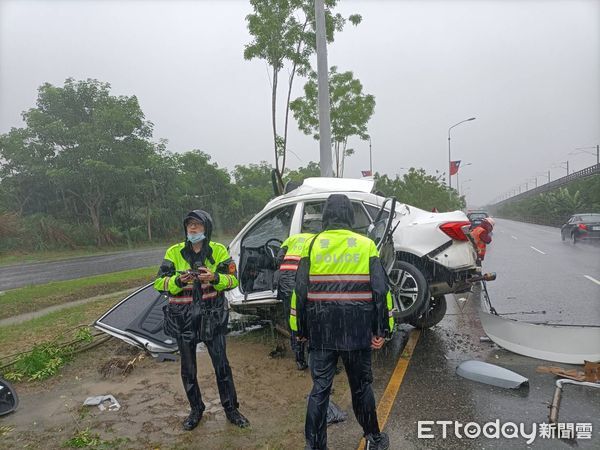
x,y
431,390
539,272
15,276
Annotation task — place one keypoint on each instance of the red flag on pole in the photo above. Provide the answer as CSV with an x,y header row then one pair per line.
x,y
454,165
366,173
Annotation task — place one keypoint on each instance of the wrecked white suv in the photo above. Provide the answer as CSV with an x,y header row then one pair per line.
x,y
425,254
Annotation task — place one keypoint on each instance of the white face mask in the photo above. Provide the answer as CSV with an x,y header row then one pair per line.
x,y
196,237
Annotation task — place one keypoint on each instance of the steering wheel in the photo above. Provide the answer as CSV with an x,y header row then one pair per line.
x,y
270,249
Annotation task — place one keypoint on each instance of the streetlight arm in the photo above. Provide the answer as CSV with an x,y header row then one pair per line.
x,y
457,124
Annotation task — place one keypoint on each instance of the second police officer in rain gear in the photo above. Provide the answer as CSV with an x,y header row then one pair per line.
x,y
194,274
288,259
342,305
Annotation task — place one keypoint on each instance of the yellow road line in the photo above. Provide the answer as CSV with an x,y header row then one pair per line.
x,y
389,396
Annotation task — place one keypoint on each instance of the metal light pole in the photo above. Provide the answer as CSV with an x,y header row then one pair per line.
x,y
462,185
561,166
449,152
457,173
583,150
323,86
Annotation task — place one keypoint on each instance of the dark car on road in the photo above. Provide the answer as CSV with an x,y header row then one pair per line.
x,y
475,217
581,227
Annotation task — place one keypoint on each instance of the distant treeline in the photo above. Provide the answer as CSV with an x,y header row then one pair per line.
x,y
555,207
84,171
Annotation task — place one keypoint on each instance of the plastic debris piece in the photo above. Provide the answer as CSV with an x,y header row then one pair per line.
x,y
483,372
104,402
162,357
590,373
568,344
335,414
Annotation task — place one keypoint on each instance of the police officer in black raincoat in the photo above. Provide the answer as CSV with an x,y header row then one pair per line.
x,y
342,305
194,275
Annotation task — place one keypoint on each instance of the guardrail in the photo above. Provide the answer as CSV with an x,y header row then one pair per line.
x,y
587,172
539,220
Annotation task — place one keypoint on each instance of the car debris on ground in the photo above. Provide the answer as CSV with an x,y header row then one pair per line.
x,y
487,373
104,402
590,372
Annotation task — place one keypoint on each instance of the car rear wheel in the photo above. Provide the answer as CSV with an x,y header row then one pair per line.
x,y
436,310
409,289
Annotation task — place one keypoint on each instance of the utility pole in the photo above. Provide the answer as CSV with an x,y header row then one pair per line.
x,y
450,153
548,176
323,87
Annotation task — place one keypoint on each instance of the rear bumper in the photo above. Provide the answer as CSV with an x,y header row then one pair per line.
x,y
452,282
590,235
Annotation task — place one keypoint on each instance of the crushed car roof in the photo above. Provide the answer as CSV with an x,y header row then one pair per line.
x,y
324,184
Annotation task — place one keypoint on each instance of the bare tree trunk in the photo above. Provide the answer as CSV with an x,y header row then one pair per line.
x,y
93,207
345,143
336,148
287,115
95,216
287,105
148,223
273,116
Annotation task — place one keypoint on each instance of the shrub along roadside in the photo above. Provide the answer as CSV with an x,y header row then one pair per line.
x,y
37,297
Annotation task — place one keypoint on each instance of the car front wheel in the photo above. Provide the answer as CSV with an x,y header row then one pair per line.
x,y
435,312
410,290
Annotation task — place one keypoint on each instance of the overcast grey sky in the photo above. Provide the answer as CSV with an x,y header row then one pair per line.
x,y
528,70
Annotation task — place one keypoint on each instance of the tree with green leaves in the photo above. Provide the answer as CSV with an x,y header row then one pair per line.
x,y
425,191
298,175
283,33
351,110
255,188
91,142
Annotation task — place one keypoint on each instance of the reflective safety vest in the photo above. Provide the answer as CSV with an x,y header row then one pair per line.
x,y
175,261
346,289
295,244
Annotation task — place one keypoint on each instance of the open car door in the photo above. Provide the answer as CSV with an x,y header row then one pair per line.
x,y
138,320
382,230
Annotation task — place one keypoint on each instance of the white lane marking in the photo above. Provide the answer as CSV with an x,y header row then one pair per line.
x,y
514,237
537,250
592,279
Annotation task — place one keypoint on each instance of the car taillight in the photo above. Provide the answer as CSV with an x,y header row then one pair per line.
x,y
454,230
582,226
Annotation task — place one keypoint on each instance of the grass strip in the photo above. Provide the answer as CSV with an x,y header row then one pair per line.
x,y
23,336
37,297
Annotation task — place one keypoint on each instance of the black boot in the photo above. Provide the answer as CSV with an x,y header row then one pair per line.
x,y
301,364
379,441
192,420
236,418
